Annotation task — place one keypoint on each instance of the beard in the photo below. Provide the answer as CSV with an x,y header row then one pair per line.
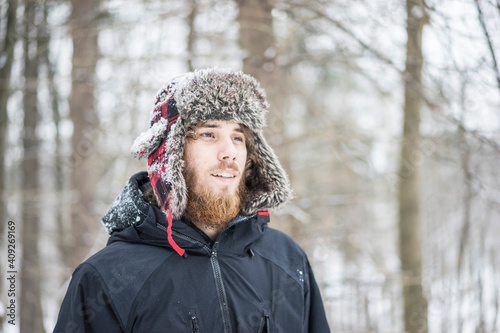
x,y
213,210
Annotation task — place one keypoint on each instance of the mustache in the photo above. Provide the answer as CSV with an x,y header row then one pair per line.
x,y
226,165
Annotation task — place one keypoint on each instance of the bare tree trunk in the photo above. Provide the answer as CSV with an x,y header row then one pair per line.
x,y
85,124
192,33
468,196
5,73
257,37
410,234
7,53
58,162
31,318
258,41
496,310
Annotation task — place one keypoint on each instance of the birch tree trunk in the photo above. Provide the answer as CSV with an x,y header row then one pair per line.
x,y
410,234
85,128
30,308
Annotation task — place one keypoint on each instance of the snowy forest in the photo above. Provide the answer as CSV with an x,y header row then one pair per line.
x,y
385,114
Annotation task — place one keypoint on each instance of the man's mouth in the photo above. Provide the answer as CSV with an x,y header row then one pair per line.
x,y
224,175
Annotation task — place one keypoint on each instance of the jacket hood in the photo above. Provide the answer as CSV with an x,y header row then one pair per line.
x,y
193,98
129,207
133,220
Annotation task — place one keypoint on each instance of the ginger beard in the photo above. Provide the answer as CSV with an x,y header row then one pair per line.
x,y
213,210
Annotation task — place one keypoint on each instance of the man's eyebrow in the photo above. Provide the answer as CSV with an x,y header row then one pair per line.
x,y
214,125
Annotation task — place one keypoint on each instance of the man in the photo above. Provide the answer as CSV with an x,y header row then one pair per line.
x,y
190,249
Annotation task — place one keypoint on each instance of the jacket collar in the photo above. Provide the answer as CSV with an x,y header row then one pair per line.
x,y
237,238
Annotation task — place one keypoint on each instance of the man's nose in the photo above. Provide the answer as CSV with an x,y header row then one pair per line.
x,y
227,150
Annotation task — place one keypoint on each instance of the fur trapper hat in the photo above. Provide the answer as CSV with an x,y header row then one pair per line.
x,y
196,97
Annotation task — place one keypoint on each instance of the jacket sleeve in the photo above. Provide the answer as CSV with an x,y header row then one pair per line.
x,y
317,322
87,306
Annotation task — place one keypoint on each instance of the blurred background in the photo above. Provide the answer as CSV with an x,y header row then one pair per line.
x,y
385,114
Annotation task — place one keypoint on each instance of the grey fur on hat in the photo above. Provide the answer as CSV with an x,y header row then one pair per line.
x,y
193,98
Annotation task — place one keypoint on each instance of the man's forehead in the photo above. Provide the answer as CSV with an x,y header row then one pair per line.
x,y
220,124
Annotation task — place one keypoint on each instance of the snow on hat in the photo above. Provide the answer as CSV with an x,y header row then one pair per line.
x,y
196,97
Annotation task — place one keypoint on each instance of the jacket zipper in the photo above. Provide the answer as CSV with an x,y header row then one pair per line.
x,y
264,325
194,324
192,240
218,278
220,289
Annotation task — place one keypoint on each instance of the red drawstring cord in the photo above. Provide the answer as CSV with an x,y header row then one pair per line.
x,y
169,236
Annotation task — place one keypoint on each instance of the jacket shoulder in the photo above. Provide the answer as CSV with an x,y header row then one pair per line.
x,y
124,268
280,249
280,243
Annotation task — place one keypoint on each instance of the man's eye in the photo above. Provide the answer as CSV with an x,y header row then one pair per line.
x,y
207,135
239,138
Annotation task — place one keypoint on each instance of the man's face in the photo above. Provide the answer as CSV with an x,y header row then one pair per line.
x,y
215,160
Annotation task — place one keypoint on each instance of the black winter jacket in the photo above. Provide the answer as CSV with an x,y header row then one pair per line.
x,y
251,279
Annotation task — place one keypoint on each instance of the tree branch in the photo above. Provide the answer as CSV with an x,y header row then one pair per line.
x,y
488,39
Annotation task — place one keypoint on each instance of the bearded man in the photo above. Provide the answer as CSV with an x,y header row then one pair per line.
x,y
190,248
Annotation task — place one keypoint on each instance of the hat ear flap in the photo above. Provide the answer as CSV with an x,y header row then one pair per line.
x,y
178,194
279,191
